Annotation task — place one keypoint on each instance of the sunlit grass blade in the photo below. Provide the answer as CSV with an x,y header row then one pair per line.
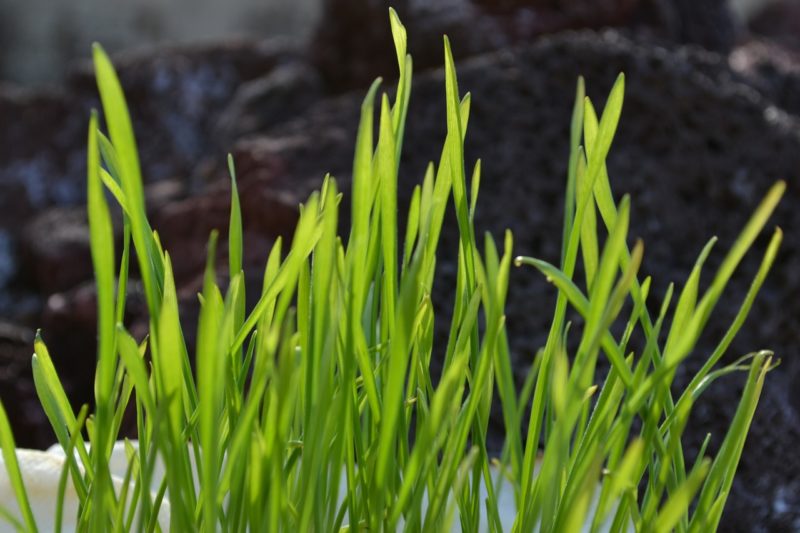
x,y
210,387
744,309
54,399
398,360
720,476
455,147
743,243
121,131
589,246
305,238
412,226
678,502
387,169
169,358
724,272
235,245
101,235
70,466
581,304
11,466
576,129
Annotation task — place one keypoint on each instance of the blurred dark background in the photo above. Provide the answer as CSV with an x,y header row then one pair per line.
x,y
41,39
711,120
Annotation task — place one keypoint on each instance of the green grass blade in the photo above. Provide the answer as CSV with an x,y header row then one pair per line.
x,y
576,129
101,235
725,271
332,416
210,388
720,477
13,471
134,365
744,309
168,362
54,399
70,466
598,150
589,245
412,226
121,132
113,187
455,136
235,226
398,360
387,169
678,502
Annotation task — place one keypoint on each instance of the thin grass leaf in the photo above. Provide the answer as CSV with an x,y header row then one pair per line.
x,y
101,236
9,452
121,132
209,386
720,476
69,466
235,226
54,399
725,271
763,269
673,510
576,128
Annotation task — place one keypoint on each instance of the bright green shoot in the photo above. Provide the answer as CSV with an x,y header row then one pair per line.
x,y
317,411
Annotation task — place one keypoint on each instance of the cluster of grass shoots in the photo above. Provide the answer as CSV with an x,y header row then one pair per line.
x,y
325,383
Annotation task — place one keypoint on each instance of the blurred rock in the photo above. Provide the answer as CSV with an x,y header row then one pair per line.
x,y
772,68
8,260
162,193
184,227
41,152
279,96
779,20
69,328
17,391
55,249
21,304
175,95
770,58
353,44
709,23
